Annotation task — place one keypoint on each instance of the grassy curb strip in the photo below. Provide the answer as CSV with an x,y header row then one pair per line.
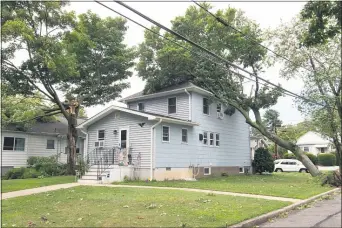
x,y
264,218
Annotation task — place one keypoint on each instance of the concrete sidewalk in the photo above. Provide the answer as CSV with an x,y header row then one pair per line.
x,y
325,213
31,191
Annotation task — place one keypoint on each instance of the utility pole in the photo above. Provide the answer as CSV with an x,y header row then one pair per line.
x,y
275,144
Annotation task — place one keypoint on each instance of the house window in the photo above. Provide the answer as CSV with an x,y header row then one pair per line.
x,y
141,107
184,135
205,138
219,108
12,143
166,134
50,144
241,169
211,139
207,170
172,105
101,135
205,106
217,139
306,149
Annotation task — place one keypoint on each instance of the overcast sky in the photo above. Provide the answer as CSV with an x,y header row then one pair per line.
x,y
266,14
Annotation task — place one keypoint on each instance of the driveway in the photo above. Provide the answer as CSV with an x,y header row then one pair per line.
x,y
325,213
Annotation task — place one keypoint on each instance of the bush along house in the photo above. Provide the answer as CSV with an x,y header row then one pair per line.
x,y
176,133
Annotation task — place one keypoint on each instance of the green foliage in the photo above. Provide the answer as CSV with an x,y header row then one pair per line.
x,y
294,131
326,159
37,160
289,156
263,161
324,21
313,158
21,173
338,159
48,166
82,166
271,119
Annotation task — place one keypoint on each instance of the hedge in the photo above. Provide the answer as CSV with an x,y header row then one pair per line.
x,y
263,161
327,159
289,156
312,157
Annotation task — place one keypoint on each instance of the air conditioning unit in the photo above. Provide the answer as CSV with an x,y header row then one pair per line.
x,y
220,115
99,144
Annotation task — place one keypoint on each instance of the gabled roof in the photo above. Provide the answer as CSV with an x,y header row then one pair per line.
x,y
312,138
165,92
58,127
148,115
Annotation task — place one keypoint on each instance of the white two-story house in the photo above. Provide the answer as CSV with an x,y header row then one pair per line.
x,y
177,133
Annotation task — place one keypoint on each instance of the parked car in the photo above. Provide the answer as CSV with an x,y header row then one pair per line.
x,y
289,165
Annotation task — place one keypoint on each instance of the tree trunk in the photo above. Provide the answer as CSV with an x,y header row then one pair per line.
x,y
72,140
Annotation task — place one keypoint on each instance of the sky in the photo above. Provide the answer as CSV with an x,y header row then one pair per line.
x,y
266,14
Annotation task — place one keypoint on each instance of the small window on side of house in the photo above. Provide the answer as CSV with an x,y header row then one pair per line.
x,y
241,169
141,106
211,135
50,144
172,105
217,139
101,135
207,170
205,106
166,134
205,138
306,149
184,135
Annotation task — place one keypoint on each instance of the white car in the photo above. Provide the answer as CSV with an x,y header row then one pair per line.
x,y
289,165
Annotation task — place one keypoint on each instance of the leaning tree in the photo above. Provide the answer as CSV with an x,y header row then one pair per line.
x,y
72,61
163,63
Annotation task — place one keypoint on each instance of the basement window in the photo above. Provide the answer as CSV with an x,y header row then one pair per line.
x,y
168,168
207,170
241,169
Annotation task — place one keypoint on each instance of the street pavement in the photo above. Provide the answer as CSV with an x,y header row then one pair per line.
x,y
325,213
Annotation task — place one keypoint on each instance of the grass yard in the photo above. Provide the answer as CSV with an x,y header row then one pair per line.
x,y
292,185
20,184
86,206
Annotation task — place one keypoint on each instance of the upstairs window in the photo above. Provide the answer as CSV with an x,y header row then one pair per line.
x,y
166,134
172,105
141,106
101,135
184,135
205,106
12,143
50,144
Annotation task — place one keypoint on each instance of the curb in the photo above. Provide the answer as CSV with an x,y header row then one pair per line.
x,y
265,217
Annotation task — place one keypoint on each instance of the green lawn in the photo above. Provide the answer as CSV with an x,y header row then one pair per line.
x,y
292,185
20,184
127,207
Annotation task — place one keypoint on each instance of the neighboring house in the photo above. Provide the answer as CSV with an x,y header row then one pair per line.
x,y
314,143
41,139
255,143
177,133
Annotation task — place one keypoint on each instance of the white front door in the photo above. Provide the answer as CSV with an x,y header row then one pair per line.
x,y
124,138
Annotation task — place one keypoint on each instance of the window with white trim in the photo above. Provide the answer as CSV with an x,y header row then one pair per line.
x,y
207,170
166,134
241,169
13,143
205,138
205,105
211,139
219,108
141,106
50,144
217,139
306,149
172,105
184,135
101,135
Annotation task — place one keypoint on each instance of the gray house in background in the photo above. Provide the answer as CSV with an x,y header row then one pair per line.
x,y
41,139
177,133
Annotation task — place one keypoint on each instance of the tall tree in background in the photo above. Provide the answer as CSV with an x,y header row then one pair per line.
x,y
319,66
164,63
72,61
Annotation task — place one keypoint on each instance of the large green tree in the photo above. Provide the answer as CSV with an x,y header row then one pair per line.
x,y
164,63
72,61
319,66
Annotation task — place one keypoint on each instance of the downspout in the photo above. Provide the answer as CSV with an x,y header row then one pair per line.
x,y
190,107
152,145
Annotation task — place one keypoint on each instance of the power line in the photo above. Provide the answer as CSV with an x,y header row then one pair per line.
x,y
211,53
222,21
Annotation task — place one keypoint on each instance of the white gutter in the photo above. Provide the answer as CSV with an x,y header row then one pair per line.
x,y
85,145
190,107
152,145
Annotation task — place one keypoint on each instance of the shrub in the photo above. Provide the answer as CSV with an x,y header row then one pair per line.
x,y
15,173
326,159
312,157
263,161
47,166
338,160
34,160
30,173
289,156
